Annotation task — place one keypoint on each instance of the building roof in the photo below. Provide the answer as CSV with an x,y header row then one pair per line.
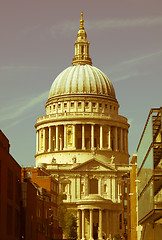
x,y
82,78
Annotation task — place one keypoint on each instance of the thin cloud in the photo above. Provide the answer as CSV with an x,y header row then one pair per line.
x,y
141,58
25,107
69,26
125,69
17,68
12,124
127,76
130,121
118,23
63,28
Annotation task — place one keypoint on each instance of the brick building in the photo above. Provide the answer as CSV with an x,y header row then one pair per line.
x,y
10,192
46,193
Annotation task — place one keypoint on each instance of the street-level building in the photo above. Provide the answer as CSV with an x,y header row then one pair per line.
x,y
10,192
149,174
83,142
40,204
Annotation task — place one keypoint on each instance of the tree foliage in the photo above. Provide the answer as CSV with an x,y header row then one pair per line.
x,y
67,221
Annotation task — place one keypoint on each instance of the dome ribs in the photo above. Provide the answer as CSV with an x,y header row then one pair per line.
x,y
82,79
61,87
87,81
93,82
68,81
74,81
99,82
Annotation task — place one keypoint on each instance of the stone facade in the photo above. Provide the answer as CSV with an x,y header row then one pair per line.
x,y
83,142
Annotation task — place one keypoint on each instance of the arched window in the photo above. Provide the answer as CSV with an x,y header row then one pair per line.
x,y
93,186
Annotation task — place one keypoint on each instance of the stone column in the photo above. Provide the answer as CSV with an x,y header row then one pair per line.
x,y
115,138
109,137
83,137
50,137
57,138
126,132
118,191
78,225
78,187
83,224
113,188
107,223
40,140
101,136
92,136
60,139
125,140
44,139
37,141
86,185
100,186
91,224
109,188
100,225
75,187
121,140
65,138
74,137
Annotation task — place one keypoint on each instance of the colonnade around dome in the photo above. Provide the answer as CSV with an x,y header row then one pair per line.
x,y
68,137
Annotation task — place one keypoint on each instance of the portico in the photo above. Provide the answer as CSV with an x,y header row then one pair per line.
x,y
90,224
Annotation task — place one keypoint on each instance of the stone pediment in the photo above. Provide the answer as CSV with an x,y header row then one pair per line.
x,y
93,165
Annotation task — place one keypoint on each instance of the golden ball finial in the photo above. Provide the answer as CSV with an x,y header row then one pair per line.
x,y
81,21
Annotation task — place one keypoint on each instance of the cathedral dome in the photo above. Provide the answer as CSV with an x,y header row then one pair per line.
x,y
82,80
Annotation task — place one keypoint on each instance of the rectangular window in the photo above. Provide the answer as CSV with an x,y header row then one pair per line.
x,y
105,188
72,104
9,224
120,221
125,202
17,190
65,105
100,105
86,104
93,104
59,105
79,104
0,177
17,223
82,188
10,184
105,105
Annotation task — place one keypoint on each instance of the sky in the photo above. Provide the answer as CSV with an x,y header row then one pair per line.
x,y
37,43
